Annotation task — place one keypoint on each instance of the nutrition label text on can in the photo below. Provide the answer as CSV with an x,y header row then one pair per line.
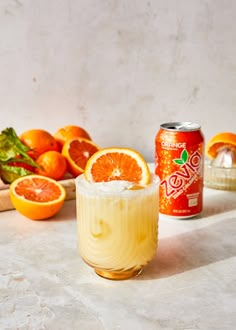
x,y
179,148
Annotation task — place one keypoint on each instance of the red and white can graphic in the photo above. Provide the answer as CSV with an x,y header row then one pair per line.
x,y
179,163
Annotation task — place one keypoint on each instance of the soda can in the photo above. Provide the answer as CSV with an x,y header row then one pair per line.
x,y
179,163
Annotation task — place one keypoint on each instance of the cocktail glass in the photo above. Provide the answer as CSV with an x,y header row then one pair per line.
x,y
117,225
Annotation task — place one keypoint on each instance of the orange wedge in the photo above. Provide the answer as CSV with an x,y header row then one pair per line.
x,y
117,164
223,139
77,151
37,197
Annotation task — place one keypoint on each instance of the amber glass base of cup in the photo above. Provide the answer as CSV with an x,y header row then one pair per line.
x,y
123,275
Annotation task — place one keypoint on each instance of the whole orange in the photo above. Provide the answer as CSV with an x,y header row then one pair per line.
x,y
52,165
70,132
39,141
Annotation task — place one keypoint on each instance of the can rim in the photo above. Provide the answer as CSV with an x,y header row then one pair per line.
x,y
185,126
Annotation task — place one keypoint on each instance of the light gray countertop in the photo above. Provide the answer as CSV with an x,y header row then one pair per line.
x,y
189,285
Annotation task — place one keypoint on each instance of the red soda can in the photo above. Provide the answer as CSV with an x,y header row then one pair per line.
x,y
179,163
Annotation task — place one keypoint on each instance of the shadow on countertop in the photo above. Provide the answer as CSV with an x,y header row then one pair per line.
x,y
200,247
192,250
223,201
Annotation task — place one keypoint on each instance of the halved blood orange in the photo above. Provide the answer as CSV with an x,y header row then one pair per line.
x,y
37,197
117,164
223,139
77,151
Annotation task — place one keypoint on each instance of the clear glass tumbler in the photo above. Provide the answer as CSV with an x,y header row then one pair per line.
x,y
117,226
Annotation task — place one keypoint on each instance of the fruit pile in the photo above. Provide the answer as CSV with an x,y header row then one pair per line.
x,y
33,163
40,152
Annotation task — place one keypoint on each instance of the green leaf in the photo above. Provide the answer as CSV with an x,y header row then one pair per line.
x,y
11,146
178,161
13,150
10,173
184,156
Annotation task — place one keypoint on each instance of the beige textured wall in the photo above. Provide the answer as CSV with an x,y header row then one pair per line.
x,y
118,68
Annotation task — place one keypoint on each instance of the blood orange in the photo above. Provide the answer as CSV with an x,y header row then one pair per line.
x,y
37,197
117,164
77,151
39,141
51,164
70,132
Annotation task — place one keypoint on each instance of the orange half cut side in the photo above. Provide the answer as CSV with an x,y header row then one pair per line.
x,y
37,197
77,151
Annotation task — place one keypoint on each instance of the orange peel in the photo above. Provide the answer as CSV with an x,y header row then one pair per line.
x,y
218,141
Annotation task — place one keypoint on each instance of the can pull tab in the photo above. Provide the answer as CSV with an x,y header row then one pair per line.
x,y
226,157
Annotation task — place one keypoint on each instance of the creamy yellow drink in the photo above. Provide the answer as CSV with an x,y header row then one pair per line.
x,y
117,225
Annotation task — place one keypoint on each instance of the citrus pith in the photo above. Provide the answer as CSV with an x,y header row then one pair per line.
x,y
117,164
37,197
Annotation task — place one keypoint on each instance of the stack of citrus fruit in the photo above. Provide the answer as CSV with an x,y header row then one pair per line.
x,y
67,150
40,195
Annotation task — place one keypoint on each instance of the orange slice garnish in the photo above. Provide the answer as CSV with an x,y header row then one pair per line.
x,y
117,164
223,139
77,151
37,197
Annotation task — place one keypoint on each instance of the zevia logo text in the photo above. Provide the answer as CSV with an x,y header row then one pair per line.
x,y
175,184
